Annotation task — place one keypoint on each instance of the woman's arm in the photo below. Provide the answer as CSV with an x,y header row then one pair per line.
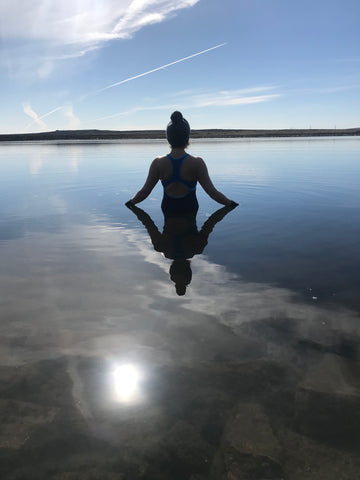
x,y
151,181
208,186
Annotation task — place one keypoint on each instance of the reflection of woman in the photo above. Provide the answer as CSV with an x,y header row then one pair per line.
x,y
181,240
179,173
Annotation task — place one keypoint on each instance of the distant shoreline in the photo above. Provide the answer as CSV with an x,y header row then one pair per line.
x,y
160,134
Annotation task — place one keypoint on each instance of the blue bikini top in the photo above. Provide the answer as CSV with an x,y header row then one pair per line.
x,y
175,176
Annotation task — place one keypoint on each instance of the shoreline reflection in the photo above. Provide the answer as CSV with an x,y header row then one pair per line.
x,y
180,240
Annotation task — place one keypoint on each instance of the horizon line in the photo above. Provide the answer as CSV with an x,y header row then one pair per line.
x,y
158,130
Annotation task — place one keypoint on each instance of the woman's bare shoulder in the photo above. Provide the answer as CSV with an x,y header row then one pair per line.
x,y
160,164
196,159
160,159
198,163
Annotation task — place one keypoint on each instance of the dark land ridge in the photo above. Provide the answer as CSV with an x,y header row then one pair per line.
x,y
160,134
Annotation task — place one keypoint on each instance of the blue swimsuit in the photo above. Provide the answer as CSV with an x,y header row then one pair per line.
x,y
185,203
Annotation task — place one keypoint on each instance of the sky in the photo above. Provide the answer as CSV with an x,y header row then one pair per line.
x,y
127,64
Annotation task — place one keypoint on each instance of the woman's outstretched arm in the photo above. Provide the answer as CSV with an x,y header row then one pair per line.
x,y
152,179
208,186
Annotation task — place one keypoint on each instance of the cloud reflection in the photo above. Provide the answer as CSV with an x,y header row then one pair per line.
x,y
104,291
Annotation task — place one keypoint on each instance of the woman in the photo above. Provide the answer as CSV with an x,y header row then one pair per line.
x,y
179,173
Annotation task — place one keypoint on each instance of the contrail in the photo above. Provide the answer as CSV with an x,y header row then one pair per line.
x,y
43,116
132,78
156,69
32,114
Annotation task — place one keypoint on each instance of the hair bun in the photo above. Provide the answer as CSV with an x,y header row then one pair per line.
x,y
176,117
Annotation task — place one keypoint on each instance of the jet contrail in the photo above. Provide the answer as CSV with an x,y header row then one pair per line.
x,y
32,114
156,69
131,78
43,116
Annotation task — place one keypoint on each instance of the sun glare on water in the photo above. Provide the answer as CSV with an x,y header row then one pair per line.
x,y
126,383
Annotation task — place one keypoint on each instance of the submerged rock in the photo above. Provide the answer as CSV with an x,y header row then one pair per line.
x,y
327,403
20,419
186,452
249,448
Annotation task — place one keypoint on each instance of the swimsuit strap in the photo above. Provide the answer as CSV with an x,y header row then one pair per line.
x,y
176,165
175,176
177,159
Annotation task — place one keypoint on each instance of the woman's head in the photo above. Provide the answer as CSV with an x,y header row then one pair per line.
x,y
178,131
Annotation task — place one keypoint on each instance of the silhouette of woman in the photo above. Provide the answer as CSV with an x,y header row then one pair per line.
x,y
179,173
180,240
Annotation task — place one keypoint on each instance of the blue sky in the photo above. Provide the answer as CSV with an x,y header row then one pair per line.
x,y
278,63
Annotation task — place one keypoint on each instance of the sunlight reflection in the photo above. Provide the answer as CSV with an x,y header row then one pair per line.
x,y
126,383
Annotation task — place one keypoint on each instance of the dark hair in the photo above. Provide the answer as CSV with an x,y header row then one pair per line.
x,y
178,130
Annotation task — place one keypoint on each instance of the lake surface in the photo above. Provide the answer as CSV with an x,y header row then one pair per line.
x,y
107,373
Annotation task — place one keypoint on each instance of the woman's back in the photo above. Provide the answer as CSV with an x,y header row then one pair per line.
x,y
178,174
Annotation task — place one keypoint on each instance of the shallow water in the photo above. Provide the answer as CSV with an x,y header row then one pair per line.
x,y
107,373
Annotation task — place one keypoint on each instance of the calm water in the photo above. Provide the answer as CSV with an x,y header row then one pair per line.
x,y
107,373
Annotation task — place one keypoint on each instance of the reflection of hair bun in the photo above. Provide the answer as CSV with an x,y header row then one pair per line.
x,y
176,117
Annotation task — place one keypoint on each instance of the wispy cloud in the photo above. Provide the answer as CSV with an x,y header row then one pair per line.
x,y
69,22
32,114
221,101
233,97
67,29
162,67
36,119
187,99
73,121
190,100
134,110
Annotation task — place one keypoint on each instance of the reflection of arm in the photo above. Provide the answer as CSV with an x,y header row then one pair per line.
x,y
208,186
151,181
215,218
148,223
